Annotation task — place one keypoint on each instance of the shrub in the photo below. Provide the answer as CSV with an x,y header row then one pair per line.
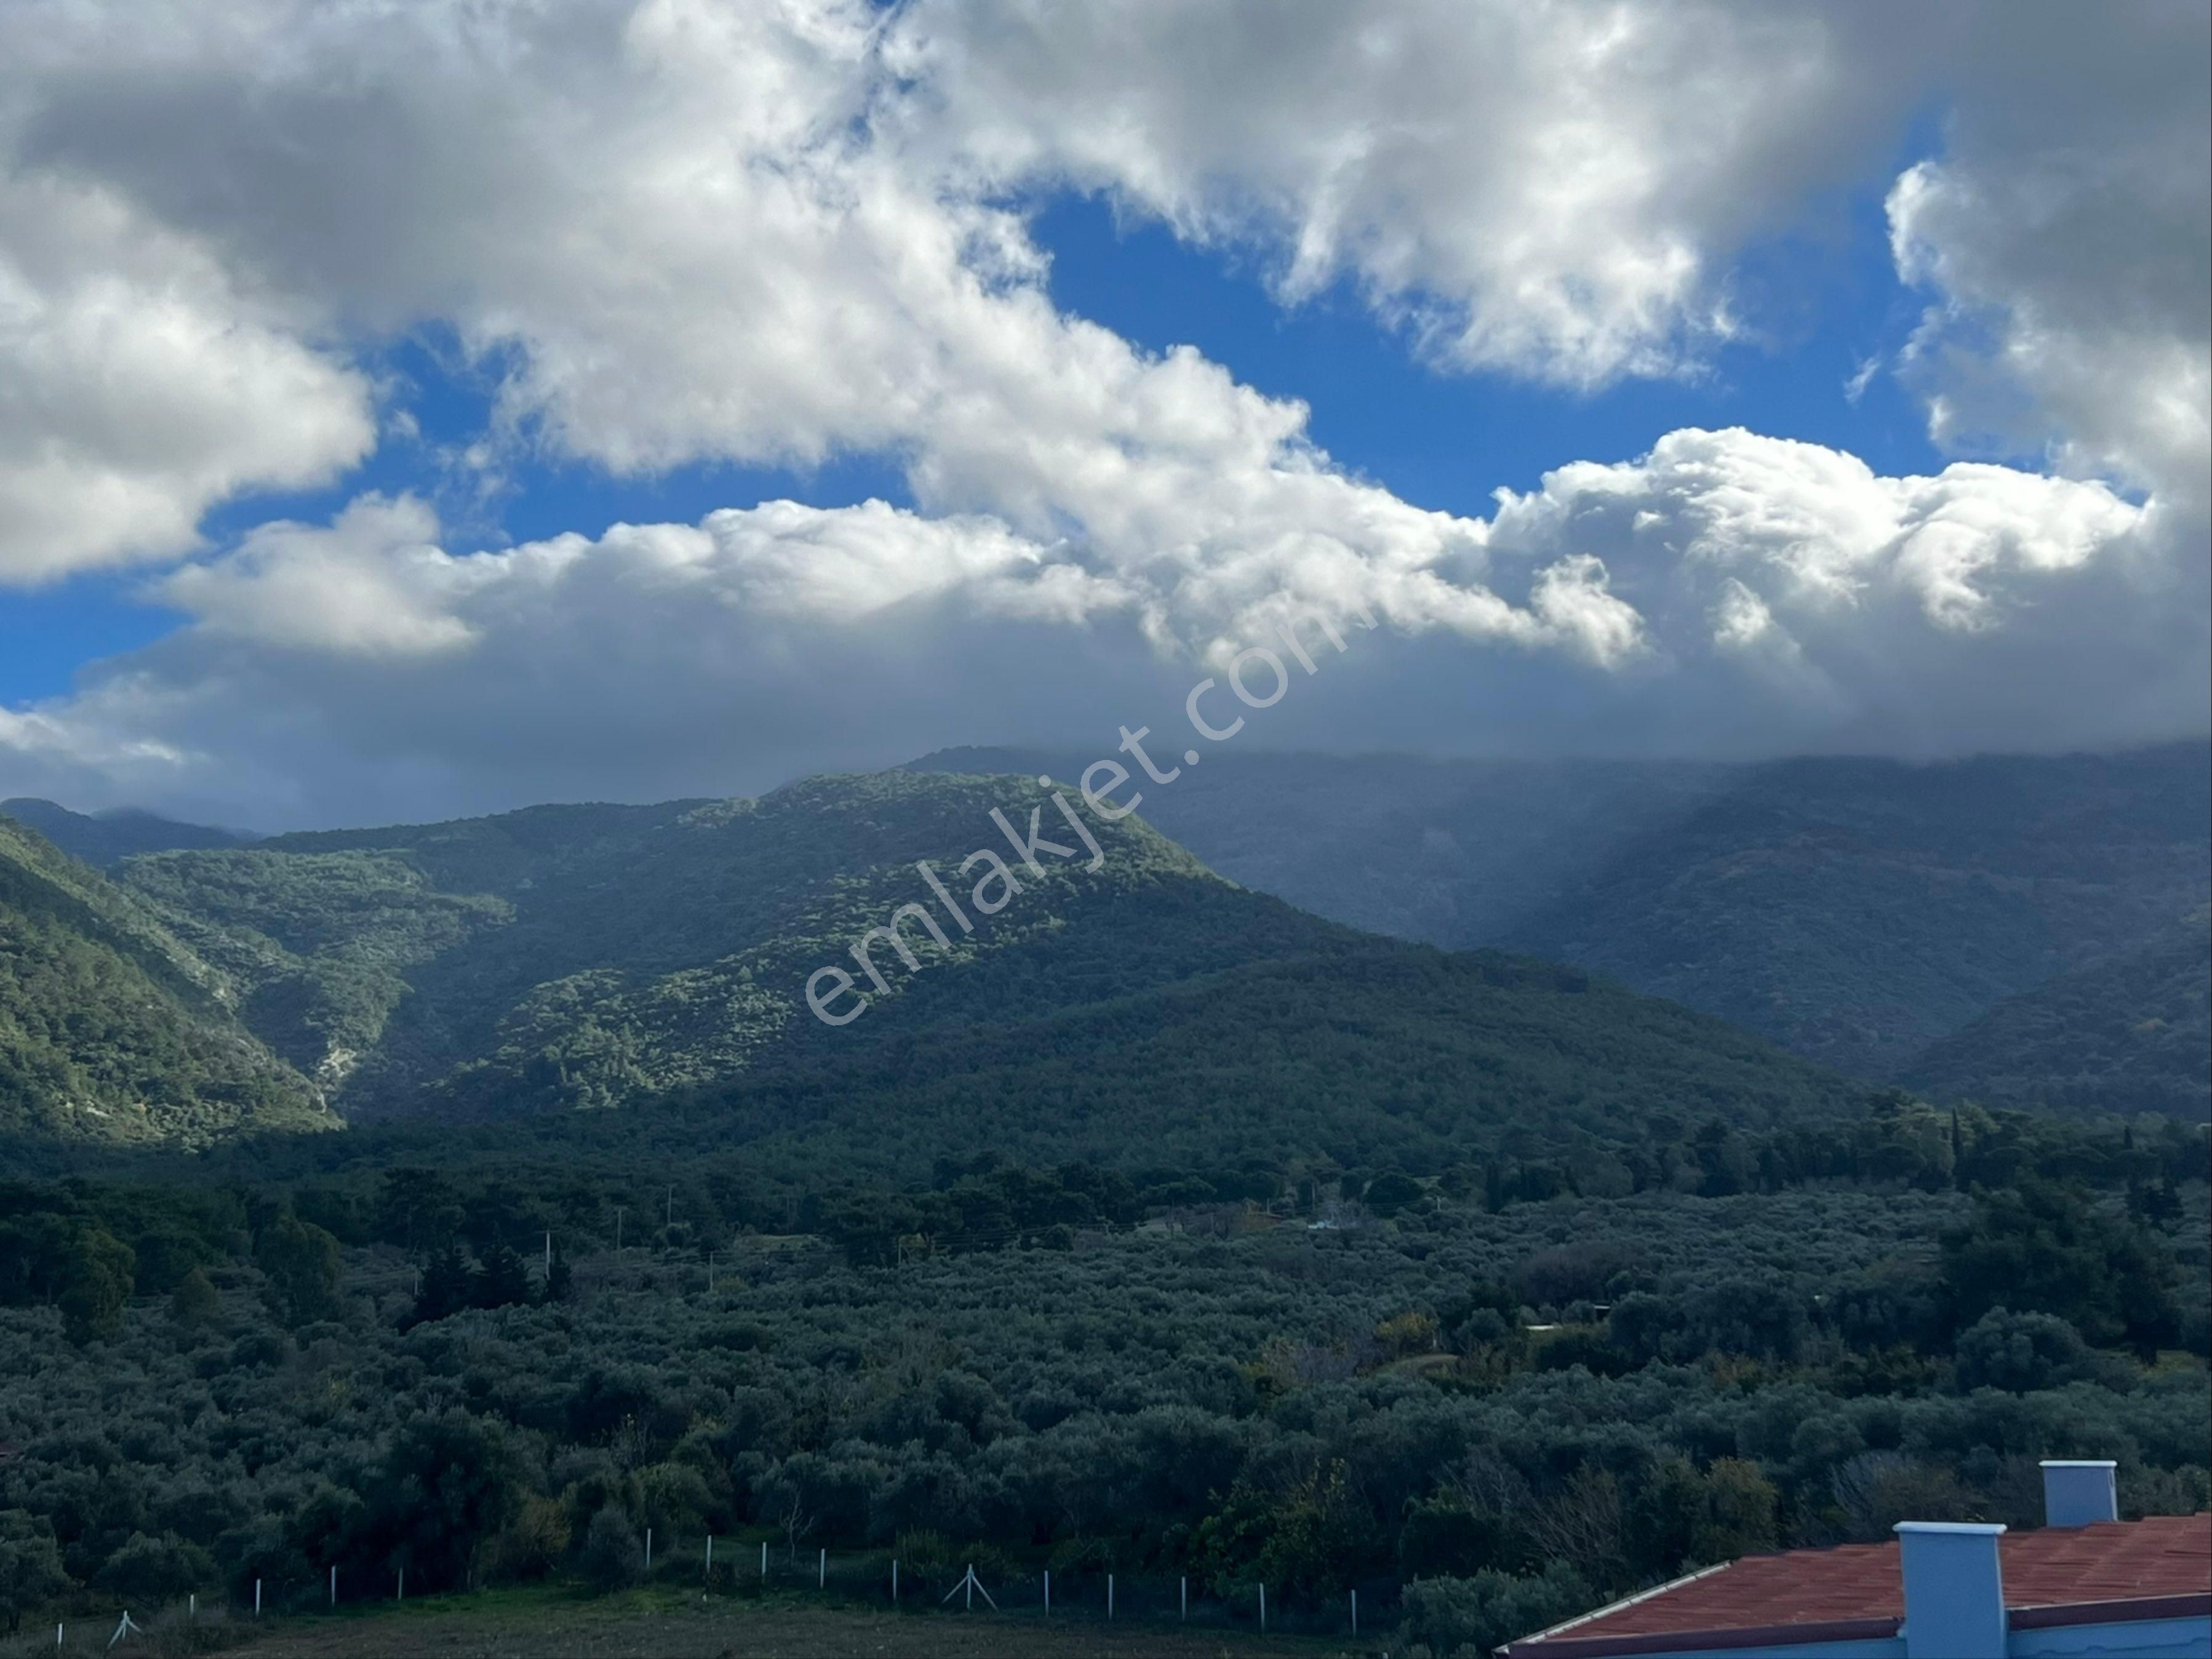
x,y
152,1570
30,1566
613,1558
529,1545
2021,1352
1465,1618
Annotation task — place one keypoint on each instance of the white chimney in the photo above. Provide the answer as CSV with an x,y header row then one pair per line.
x,y
2078,1493
1953,1590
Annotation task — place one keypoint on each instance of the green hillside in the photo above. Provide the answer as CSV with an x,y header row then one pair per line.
x,y
1853,911
110,1029
578,957
1376,1055
2128,1035
600,956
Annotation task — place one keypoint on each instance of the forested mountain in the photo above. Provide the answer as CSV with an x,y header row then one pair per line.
x,y
108,838
1157,1228
110,1029
597,955
1854,910
2130,1033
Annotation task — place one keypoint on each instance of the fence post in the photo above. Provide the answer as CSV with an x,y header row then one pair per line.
x,y
192,1606
648,1549
893,1580
1355,1612
334,1587
1047,1592
822,1571
257,1598
710,1555
763,1560
1109,1596
403,1583
1186,1601
1263,1609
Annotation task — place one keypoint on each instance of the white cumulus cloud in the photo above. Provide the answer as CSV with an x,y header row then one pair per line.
x,y
672,231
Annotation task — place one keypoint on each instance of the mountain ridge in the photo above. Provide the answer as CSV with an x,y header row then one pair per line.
x,y
105,839
1855,910
489,969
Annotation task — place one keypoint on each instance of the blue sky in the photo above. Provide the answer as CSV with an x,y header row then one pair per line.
x,y
1439,438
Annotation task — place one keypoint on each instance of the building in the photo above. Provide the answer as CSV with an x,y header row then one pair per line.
x,y
2087,1585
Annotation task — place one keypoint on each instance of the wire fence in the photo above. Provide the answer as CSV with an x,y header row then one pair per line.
x,y
879,1578
742,1568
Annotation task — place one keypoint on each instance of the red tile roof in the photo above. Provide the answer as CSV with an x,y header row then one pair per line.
x,y
1855,1589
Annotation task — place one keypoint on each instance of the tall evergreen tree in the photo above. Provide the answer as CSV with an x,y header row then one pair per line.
x,y
448,1285
501,1281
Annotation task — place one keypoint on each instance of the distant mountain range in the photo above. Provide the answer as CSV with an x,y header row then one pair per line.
x,y
2017,931
1856,911
590,956
103,839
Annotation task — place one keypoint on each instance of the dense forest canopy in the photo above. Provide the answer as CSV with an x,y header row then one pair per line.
x,y
1310,1375
1854,910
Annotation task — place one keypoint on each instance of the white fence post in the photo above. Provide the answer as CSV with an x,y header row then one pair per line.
x,y
822,1571
257,1598
1047,1592
334,1587
648,1549
894,1579
1263,1609
1355,1612
1109,1596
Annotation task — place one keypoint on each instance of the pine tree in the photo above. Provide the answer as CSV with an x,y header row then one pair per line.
x,y
300,1262
560,1277
195,1301
501,1281
448,1286
100,1270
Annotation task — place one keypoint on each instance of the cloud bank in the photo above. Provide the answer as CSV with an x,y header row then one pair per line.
x,y
780,233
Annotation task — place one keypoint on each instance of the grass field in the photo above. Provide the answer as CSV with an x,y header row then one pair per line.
x,y
555,1625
